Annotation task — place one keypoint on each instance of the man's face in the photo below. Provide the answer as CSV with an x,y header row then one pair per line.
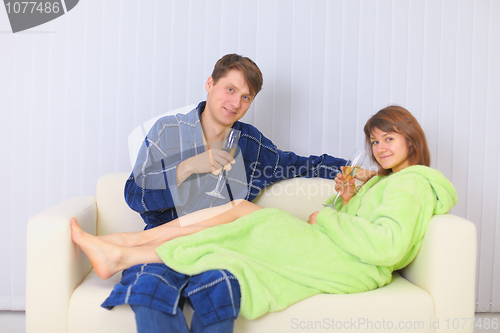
x,y
229,99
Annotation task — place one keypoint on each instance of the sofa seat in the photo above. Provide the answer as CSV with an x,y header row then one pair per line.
x,y
398,303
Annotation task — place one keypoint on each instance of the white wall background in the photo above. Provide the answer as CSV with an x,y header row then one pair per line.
x,y
71,91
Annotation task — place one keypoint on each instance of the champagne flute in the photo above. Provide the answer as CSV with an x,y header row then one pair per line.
x,y
229,145
350,169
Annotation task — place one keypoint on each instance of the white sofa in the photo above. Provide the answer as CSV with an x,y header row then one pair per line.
x,y
433,294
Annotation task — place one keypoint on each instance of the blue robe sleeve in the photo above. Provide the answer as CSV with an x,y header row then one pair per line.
x,y
152,185
266,164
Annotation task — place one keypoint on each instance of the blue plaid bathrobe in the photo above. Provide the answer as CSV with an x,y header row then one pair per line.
x,y
151,190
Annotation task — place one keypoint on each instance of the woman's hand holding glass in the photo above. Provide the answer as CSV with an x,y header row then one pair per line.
x,y
344,182
345,187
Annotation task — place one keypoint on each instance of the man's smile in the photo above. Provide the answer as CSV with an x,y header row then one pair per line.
x,y
229,111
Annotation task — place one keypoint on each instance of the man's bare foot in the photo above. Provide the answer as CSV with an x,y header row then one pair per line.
x,y
105,257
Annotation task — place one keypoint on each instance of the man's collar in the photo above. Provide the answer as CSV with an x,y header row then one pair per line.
x,y
201,107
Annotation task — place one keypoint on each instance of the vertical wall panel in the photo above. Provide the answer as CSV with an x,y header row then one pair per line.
x,y
196,71
90,94
7,88
247,37
143,68
349,63
333,70
178,56
161,64
416,28
382,56
366,68
430,77
54,159
247,29
109,147
21,169
492,161
73,89
7,168
478,155
301,67
399,52
462,104
282,88
447,67
266,50
316,75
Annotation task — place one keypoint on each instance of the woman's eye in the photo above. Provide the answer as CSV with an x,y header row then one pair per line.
x,y
374,143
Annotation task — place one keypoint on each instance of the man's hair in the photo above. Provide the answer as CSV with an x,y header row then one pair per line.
x,y
251,72
399,120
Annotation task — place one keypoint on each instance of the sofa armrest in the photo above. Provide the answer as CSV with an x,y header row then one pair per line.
x,y
446,268
55,265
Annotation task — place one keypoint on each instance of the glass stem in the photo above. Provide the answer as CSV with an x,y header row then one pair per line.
x,y
219,181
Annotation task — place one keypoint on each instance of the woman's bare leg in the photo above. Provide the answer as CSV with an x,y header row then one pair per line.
x,y
185,225
108,258
127,239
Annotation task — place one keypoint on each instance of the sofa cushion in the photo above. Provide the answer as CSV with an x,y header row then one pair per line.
x,y
399,303
298,196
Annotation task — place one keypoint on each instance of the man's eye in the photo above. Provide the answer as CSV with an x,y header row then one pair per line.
x,y
230,89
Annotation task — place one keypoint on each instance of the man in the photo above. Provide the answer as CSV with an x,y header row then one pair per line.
x,y
175,168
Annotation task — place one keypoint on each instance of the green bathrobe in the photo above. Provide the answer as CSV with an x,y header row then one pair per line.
x,y
279,259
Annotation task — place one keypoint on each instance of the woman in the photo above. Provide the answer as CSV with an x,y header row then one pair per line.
x,y
279,260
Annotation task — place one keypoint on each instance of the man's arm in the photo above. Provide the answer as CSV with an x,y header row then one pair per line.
x,y
266,164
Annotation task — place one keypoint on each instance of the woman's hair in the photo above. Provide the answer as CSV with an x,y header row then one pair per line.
x,y
397,119
251,72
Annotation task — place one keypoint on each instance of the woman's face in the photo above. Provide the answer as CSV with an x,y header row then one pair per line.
x,y
390,150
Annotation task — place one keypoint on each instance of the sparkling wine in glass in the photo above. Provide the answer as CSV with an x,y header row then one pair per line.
x,y
350,169
229,145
